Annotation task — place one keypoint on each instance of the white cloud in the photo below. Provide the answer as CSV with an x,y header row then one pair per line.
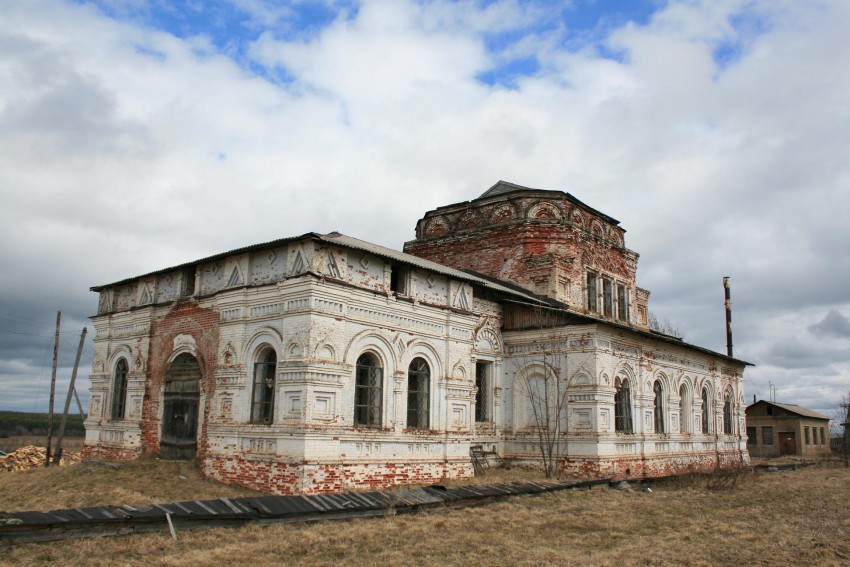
x,y
124,149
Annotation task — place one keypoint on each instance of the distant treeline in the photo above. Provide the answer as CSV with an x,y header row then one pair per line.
x,y
14,423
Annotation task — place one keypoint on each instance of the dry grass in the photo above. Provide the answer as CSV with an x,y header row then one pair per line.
x,y
93,483
786,518
9,444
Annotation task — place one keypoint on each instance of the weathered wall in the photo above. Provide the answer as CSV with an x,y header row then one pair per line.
x,y
543,241
191,328
320,306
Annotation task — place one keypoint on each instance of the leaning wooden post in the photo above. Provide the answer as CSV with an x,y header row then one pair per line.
x,y
52,390
58,456
79,404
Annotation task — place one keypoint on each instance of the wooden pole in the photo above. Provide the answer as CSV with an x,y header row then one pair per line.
x,y
58,456
52,390
79,404
845,443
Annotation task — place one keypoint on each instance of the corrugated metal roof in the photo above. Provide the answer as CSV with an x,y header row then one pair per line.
x,y
339,239
506,187
794,408
416,261
493,284
212,258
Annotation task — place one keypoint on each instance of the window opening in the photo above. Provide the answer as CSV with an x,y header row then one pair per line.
x,y
119,389
482,395
705,411
262,407
188,287
822,436
767,435
398,279
622,303
418,388
591,293
622,407
684,419
368,391
607,298
806,434
751,436
659,407
727,415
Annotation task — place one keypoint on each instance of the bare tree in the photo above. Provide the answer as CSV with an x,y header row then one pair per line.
x,y
665,326
542,382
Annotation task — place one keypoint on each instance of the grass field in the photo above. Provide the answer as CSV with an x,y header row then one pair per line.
x,y
797,517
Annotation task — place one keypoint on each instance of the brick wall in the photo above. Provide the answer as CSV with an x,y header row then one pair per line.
x,y
201,324
548,254
271,475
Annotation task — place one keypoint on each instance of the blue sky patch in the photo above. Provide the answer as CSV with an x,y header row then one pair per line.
x,y
747,26
507,73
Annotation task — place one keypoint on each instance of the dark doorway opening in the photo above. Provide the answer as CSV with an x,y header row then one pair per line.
x,y
179,439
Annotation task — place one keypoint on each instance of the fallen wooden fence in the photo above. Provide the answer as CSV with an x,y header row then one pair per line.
x,y
27,527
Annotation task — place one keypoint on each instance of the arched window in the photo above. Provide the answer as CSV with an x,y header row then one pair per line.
x,y
119,389
367,396
705,411
622,407
659,406
727,414
262,403
418,388
684,413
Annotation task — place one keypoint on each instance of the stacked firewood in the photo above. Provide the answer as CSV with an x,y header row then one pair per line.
x,y
30,457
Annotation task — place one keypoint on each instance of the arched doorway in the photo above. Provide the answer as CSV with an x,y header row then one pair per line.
x,y
179,438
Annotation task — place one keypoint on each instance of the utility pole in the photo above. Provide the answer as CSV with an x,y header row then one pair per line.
x,y
52,390
727,285
845,444
71,391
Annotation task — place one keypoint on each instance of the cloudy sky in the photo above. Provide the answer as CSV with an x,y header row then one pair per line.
x,y
135,135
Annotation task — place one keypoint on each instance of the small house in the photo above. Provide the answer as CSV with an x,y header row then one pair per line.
x,y
775,429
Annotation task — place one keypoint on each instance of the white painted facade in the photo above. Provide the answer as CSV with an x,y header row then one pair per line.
x,y
319,303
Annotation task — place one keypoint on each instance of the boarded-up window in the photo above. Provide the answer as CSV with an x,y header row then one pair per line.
x,y
751,436
767,435
684,406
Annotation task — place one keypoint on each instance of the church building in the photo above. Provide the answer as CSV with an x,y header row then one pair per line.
x,y
323,363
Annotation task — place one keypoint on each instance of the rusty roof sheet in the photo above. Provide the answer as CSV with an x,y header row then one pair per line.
x,y
339,239
799,410
409,259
